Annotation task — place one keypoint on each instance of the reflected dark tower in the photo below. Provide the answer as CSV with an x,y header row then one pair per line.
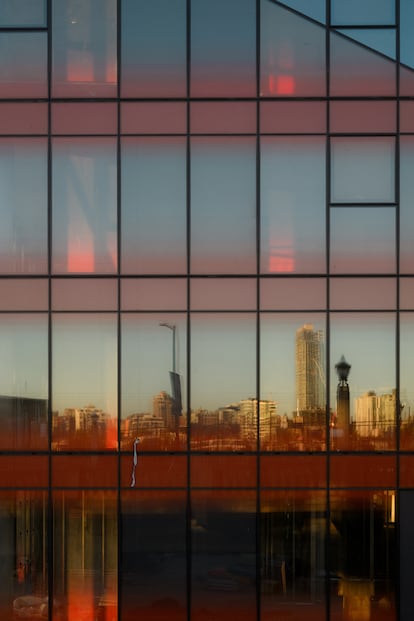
x,y
342,396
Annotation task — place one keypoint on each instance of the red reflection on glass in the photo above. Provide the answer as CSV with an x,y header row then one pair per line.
x,y
281,262
281,85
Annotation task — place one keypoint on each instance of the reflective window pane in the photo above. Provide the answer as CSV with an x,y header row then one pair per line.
x,y
23,13
223,48
292,293
293,205
23,382
363,397
24,294
153,382
23,118
362,555
154,555
23,542
84,118
81,294
84,48
292,549
223,544
223,294
358,71
84,205
363,170
406,384
362,240
153,212
292,117
23,205
217,117
218,471
138,294
153,48
224,404
406,201
223,205
84,395
85,554
23,64
355,12
363,116
293,384
155,117
292,54
363,293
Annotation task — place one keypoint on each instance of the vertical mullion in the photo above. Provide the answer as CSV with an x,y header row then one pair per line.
x,y
327,302
258,367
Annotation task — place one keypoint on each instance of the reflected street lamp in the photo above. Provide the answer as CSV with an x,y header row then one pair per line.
x,y
171,327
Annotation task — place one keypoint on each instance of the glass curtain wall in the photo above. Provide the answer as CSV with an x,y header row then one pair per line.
x,y
206,310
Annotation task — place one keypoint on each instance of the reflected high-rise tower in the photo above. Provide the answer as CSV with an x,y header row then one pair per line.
x,y
342,395
310,393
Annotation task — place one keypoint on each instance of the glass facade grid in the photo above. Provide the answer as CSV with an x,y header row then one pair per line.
x,y
206,310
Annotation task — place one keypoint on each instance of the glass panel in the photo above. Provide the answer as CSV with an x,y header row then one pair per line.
x,y
24,294
15,13
357,71
84,368
363,293
407,293
223,471
382,40
362,548
363,471
223,48
24,471
23,382
153,382
153,212
293,205
292,117
364,404
82,471
406,383
363,116
153,48
406,539
154,294
154,556
363,170
292,551
162,117
23,205
84,205
312,8
292,471
368,12
223,117
84,118
84,294
406,39
292,293
23,64
407,116
292,54
23,545
23,118
223,375
223,567
153,470
84,48
223,294
223,204
85,555
362,240
293,383
406,205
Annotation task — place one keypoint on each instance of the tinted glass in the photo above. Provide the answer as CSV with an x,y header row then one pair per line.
x,y
292,54
84,48
153,48
23,383
84,366
23,205
373,12
84,205
23,64
30,13
223,205
223,48
293,205
153,212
